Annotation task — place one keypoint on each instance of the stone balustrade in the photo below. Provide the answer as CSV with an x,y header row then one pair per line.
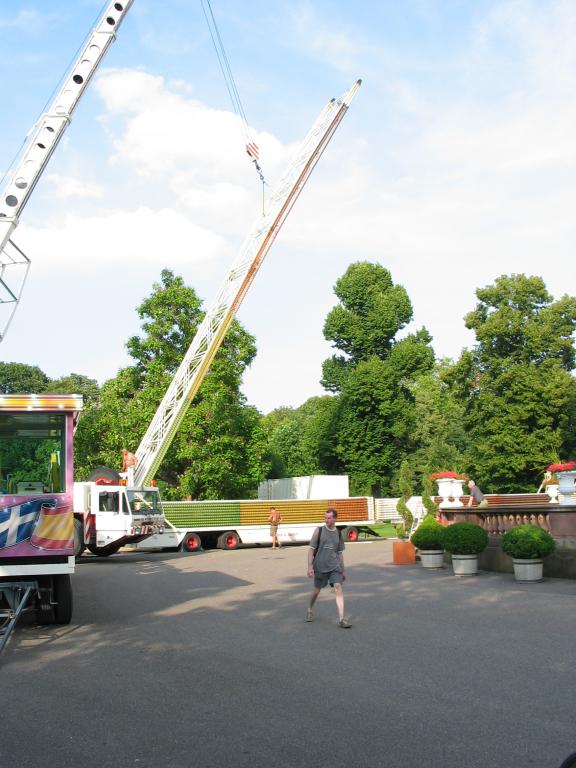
x,y
507,511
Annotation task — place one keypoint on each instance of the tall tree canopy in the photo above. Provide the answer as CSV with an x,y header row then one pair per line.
x,y
219,448
375,416
515,385
439,432
299,439
364,324
77,384
21,378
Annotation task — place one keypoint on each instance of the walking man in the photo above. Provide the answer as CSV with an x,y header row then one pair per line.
x,y
326,565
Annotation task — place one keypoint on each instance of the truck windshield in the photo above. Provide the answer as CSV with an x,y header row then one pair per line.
x,y
144,502
32,453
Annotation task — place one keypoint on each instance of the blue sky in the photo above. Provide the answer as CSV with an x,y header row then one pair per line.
x,y
454,165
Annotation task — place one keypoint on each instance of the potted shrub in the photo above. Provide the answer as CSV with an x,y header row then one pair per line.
x,y
427,492
528,545
429,540
403,551
465,541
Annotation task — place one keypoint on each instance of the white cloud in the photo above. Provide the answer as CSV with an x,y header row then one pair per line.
x,y
166,132
331,44
27,21
68,186
448,179
126,240
193,153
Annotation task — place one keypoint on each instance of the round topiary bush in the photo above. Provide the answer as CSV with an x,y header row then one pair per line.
x,y
465,539
429,535
528,542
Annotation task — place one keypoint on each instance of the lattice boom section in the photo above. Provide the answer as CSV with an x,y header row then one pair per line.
x,y
219,514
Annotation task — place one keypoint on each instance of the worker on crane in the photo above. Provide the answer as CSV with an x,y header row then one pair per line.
x,y
128,465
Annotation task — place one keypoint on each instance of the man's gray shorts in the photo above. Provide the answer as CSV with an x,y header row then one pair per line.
x,y
322,580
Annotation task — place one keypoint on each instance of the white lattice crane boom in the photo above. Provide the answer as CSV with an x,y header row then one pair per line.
x,y
219,316
43,140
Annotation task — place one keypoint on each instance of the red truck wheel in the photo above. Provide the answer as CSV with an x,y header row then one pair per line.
x,y
350,534
191,543
229,540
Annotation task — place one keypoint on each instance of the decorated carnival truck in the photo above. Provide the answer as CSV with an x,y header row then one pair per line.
x,y
193,525
46,518
36,515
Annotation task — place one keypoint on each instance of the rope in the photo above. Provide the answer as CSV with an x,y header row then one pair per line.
x,y
224,62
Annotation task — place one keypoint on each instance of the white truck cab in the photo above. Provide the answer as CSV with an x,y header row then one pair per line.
x,y
110,516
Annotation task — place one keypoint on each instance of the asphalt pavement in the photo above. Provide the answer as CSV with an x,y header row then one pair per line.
x,y
205,660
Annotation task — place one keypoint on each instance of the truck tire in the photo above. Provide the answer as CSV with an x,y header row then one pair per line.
x,y
229,540
110,549
191,543
44,608
104,476
350,533
44,601
78,537
63,599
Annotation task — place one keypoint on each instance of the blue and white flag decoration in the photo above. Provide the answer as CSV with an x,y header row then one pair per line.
x,y
17,523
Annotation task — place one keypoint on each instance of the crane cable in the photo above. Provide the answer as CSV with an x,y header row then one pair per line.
x,y
251,147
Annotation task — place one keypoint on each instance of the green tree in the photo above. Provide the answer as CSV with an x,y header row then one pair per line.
x,y
405,485
373,425
364,324
427,495
439,431
218,451
518,394
19,378
300,439
77,384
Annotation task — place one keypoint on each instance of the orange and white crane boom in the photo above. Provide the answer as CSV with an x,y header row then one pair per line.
x,y
219,316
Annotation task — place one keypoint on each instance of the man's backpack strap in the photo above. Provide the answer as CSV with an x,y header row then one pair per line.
x,y
317,547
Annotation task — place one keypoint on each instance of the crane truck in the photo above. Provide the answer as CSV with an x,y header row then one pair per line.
x,y
108,514
222,522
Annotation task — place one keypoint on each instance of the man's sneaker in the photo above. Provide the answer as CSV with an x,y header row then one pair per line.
x,y
309,615
344,624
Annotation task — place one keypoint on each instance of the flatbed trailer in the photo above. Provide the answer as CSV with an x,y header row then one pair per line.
x,y
194,525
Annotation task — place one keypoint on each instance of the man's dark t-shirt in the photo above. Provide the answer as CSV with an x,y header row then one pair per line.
x,y
327,559
476,494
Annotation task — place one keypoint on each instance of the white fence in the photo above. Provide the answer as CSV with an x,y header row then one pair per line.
x,y
385,510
